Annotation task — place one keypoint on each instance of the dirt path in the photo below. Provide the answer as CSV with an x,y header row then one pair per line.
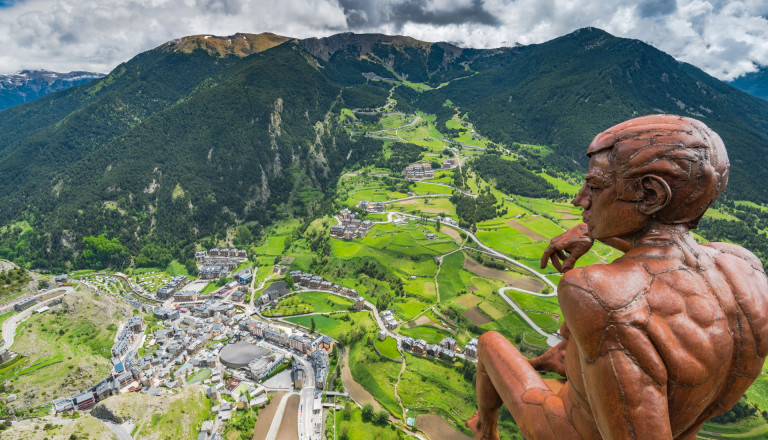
x,y
266,415
356,391
437,285
436,428
442,325
397,395
289,427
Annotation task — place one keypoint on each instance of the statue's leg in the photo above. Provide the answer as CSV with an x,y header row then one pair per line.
x,y
505,376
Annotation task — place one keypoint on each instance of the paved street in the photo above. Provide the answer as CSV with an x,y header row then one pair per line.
x,y
10,324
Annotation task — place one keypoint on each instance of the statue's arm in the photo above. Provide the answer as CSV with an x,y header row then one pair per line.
x,y
625,378
553,359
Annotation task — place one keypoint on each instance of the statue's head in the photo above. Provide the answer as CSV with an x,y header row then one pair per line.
x,y
662,167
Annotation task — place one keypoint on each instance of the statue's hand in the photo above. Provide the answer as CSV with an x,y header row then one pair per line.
x,y
552,360
565,249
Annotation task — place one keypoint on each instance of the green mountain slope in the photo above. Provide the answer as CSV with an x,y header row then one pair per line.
x,y
204,133
169,148
565,91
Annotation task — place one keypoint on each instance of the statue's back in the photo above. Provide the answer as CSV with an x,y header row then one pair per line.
x,y
709,322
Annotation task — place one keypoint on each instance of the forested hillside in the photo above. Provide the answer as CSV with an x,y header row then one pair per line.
x,y
191,140
563,92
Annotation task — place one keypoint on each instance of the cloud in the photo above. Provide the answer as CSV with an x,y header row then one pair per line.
x,y
97,35
363,14
726,38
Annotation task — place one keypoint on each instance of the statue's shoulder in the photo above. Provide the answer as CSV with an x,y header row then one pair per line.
x,y
595,298
613,285
748,283
735,253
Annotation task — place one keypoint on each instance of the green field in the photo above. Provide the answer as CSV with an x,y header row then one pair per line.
x,y
430,206
561,185
375,374
405,250
429,333
336,325
420,188
273,245
349,424
387,347
200,376
429,387
309,302
175,268
209,288
5,316
448,283
751,428
408,309
292,305
325,302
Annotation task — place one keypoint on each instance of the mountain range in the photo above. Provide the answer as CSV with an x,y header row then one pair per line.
x,y
205,132
754,83
28,85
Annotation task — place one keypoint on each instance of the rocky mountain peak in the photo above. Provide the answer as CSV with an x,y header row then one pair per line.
x,y
239,44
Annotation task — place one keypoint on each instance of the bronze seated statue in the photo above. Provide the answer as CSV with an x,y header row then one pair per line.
x,y
662,339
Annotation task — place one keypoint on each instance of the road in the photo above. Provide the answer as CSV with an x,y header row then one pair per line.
x,y
489,250
278,419
39,295
258,289
118,430
552,339
306,418
10,324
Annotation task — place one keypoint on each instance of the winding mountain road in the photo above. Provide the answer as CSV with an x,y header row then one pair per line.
x,y
11,324
552,339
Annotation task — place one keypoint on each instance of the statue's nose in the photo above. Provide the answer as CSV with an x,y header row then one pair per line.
x,y
582,198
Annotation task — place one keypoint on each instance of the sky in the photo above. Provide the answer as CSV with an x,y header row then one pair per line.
x,y
724,38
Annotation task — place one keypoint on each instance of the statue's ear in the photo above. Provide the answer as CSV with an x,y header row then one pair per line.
x,y
655,194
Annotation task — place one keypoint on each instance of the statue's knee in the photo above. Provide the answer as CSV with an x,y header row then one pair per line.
x,y
489,339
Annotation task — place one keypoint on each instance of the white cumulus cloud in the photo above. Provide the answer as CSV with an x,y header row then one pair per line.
x,y
726,38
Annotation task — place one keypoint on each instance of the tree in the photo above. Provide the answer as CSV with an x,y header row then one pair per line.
x,y
381,417
368,412
243,236
102,252
312,323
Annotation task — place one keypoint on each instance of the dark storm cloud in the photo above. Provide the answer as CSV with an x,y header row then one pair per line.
x,y
656,8
365,14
